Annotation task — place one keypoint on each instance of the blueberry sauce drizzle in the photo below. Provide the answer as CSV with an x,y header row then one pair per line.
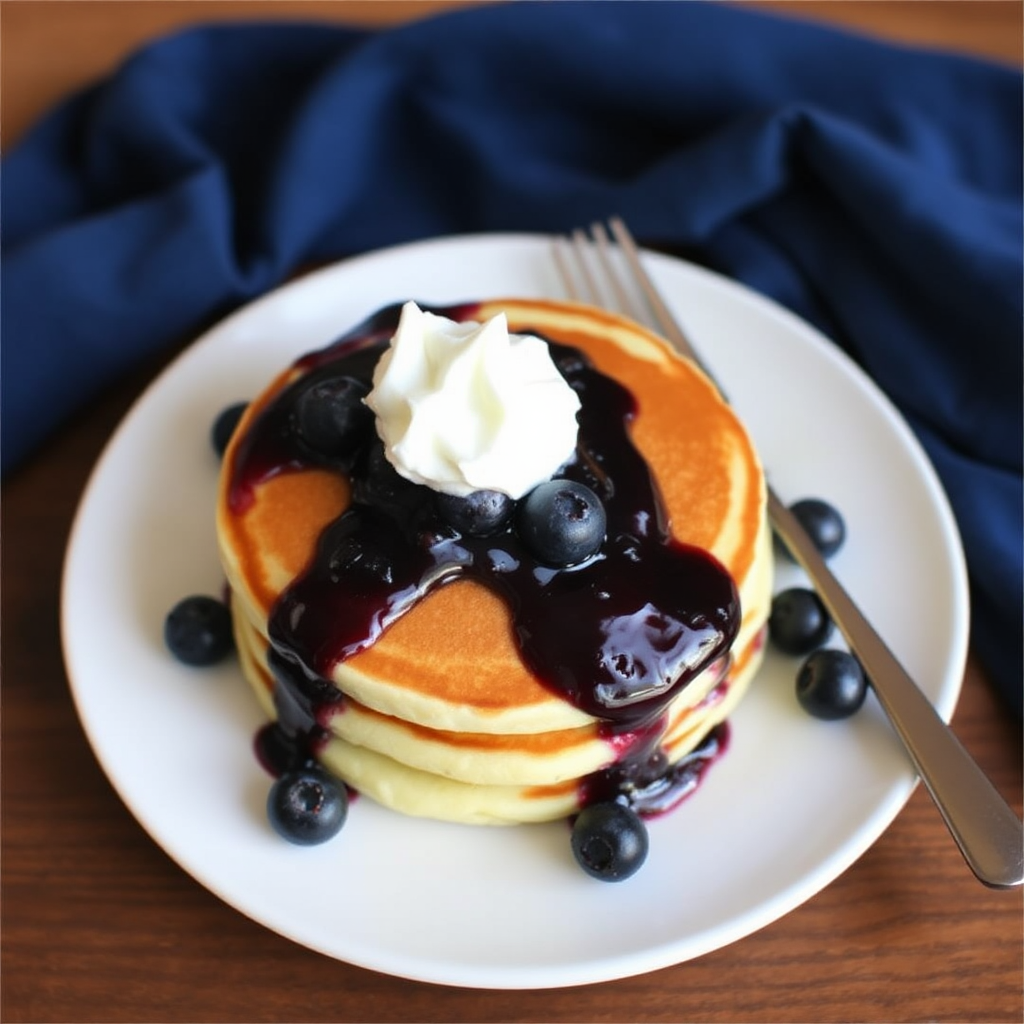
x,y
618,636
645,781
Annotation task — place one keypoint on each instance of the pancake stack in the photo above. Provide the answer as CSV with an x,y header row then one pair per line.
x,y
442,706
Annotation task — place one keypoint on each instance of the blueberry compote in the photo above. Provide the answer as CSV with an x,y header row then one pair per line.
x,y
618,635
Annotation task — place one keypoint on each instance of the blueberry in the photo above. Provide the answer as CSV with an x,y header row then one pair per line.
x,y
197,630
359,559
571,362
798,622
609,841
331,417
823,524
562,522
307,806
377,482
831,684
224,426
478,514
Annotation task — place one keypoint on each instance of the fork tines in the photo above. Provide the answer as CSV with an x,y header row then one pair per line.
x,y
610,274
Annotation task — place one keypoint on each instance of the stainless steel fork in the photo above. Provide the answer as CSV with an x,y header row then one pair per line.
x,y
985,828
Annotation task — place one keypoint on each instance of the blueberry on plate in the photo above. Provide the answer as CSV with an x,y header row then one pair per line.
x,y
798,622
330,415
831,684
609,841
823,524
198,631
307,806
562,522
478,514
224,426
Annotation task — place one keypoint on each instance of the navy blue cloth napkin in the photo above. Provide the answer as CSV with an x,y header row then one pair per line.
x,y
874,190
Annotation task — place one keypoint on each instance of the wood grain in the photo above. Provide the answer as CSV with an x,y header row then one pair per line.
x,y
99,925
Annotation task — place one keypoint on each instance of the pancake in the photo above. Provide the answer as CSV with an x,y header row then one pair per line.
x,y
442,714
483,779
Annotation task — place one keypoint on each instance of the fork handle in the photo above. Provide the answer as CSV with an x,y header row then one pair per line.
x,y
985,828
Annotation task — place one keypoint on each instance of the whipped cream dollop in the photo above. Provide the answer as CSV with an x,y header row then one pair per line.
x,y
466,406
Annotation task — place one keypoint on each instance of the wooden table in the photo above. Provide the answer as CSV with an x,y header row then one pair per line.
x,y
99,924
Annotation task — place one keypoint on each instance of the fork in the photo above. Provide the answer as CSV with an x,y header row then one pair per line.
x,y
985,828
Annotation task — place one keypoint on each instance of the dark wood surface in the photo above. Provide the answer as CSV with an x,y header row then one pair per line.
x,y
99,924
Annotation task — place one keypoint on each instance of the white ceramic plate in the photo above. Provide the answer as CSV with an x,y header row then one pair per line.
x,y
793,804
